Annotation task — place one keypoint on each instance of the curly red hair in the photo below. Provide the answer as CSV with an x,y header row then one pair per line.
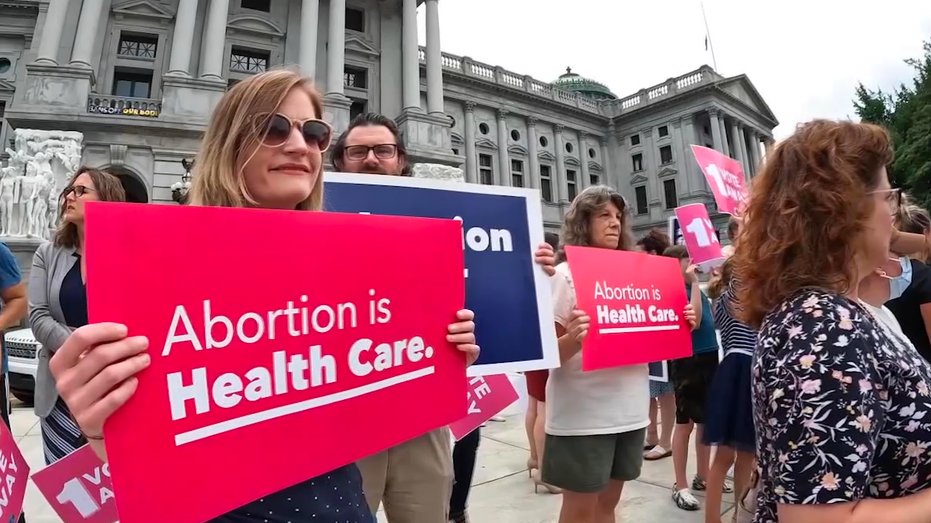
x,y
806,213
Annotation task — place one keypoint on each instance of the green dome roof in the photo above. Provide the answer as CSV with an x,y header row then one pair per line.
x,y
573,82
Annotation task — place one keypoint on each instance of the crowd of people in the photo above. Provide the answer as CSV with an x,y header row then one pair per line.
x,y
822,309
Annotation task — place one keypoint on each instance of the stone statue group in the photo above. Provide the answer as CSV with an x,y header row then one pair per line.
x,y
30,184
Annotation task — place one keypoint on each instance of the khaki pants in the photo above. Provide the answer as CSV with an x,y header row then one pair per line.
x,y
414,479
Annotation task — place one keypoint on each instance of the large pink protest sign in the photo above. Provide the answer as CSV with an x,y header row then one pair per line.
x,y
488,396
700,238
78,488
725,177
13,475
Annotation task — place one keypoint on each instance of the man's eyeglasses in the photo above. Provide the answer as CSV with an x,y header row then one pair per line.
x,y
385,151
78,190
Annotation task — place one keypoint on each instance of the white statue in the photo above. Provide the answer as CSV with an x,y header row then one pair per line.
x,y
9,195
42,162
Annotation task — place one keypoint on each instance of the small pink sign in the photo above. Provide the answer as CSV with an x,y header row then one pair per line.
x,y
78,488
700,238
488,396
725,177
13,475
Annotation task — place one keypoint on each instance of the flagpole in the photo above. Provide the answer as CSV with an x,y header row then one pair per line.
x,y
714,61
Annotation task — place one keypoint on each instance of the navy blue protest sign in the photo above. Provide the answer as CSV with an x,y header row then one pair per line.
x,y
659,371
502,227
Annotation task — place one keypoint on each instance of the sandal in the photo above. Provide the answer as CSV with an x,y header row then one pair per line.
x,y
656,453
684,499
700,485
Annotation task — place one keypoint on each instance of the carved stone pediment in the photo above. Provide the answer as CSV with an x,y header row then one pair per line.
x,y
143,9
254,25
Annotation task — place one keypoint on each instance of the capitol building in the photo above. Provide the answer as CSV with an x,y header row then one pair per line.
x,y
139,79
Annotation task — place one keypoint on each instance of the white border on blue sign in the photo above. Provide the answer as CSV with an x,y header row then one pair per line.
x,y
550,359
665,376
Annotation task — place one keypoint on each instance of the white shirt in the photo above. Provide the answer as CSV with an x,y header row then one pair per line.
x,y
608,401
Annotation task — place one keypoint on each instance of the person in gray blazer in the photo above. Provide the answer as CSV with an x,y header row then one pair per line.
x,y
58,302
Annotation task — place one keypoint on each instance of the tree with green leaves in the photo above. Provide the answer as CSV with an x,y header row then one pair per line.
x,y
906,113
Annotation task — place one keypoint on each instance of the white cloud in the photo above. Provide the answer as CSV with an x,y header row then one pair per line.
x,y
804,56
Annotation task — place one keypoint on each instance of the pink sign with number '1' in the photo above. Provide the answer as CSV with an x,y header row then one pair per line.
x,y
13,475
725,177
78,488
700,238
488,396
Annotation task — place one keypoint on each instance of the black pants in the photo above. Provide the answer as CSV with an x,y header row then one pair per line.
x,y
5,414
464,453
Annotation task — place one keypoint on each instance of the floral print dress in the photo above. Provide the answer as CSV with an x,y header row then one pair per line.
x,y
842,407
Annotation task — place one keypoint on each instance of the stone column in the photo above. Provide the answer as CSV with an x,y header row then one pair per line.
x,y
212,55
410,60
504,163
434,60
683,157
735,139
698,183
51,32
336,48
533,165
88,23
182,41
725,148
651,163
715,128
606,163
310,17
742,147
583,159
768,144
562,187
471,158
755,152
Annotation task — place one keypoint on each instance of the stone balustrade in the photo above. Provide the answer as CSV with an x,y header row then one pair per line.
x,y
123,106
468,67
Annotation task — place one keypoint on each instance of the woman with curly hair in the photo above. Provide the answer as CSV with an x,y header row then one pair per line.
x,y
595,421
662,397
912,303
839,402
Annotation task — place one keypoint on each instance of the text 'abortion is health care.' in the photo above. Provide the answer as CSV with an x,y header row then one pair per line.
x,y
659,319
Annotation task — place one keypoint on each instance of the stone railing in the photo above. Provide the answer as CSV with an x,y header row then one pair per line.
x,y
468,67
123,106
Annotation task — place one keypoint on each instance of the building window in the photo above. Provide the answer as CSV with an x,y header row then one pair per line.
x,y
5,65
357,108
546,183
138,46
594,179
568,147
248,60
483,128
640,194
637,161
231,83
570,184
591,153
517,173
543,141
355,77
635,140
257,5
515,135
665,154
132,84
355,19
485,172
672,197
456,151
663,131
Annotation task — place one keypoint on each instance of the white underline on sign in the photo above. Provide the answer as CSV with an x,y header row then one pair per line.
x,y
284,410
652,328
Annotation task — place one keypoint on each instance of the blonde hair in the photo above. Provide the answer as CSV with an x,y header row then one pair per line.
x,y
235,133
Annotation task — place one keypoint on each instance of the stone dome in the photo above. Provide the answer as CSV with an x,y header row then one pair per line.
x,y
585,86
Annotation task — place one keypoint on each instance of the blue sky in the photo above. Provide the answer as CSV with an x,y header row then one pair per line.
x,y
805,57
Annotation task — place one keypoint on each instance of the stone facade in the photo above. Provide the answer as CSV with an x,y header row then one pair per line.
x,y
139,78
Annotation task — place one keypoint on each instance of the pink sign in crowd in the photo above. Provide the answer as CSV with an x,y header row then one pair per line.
x,y
325,376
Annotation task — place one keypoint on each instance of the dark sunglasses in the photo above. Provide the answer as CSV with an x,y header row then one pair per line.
x,y
78,190
315,132
385,151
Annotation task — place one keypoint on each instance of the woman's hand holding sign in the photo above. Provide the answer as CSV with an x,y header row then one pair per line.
x,y
571,336
691,317
94,370
545,258
462,333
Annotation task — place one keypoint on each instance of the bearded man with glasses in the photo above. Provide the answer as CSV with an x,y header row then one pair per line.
x,y
416,479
